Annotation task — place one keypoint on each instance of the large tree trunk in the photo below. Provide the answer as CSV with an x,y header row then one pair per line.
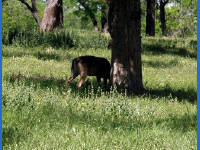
x,y
150,18
53,15
162,16
125,29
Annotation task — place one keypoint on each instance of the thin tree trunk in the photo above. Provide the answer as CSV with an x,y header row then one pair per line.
x,y
104,24
33,10
94,22
104,16
162,17
89,13
150,18
125,30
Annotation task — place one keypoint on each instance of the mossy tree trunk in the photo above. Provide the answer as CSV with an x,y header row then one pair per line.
x,y
125,29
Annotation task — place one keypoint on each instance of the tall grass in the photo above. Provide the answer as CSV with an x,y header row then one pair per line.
x,y
56,38
86,39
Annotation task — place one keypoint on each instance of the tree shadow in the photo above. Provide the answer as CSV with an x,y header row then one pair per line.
x,y
92,88
88,89
160,64
189,95
103,122
108,121
37,80
46,56
159,49
41,55
11,135
183,123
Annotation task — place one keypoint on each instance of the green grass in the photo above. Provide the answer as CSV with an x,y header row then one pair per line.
x,y
41,112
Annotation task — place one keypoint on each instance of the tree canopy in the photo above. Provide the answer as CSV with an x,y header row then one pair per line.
x,y
180,15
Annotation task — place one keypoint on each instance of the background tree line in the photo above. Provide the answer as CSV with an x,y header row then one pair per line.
x,y
158,17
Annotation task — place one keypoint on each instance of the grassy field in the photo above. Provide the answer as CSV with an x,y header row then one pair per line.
x,y
41,112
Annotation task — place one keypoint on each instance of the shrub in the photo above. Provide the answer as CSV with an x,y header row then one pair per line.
x,y
32,38
58,38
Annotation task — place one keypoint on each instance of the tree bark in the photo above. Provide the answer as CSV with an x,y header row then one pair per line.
x,y
104,24
53,15
162,16
125,29
150,18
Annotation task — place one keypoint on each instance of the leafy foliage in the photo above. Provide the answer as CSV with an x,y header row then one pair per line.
x,y
179,15
181,18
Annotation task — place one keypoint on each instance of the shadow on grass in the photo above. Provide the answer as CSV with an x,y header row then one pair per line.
x,y
150,48
105,123
189,94
56,117
45,82
11,135
108,121
46,56
37,80
43,55
159,49
160,64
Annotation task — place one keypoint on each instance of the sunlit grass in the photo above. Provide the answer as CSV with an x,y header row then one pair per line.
x,y
41,112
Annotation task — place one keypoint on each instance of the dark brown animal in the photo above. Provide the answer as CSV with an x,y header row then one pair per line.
x,y
90,66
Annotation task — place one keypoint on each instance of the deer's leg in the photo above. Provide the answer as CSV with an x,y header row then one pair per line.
x,y
71,78
98,79
82,79
105,82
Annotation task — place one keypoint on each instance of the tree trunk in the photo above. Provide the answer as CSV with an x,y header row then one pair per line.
x,y
125,29
90,13
104,16
94,22
104,24
53,15
150,18
162,18
33,10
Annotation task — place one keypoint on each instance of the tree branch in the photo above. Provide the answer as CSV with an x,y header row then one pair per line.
x,y
34,5
27,5
164,2
32,9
